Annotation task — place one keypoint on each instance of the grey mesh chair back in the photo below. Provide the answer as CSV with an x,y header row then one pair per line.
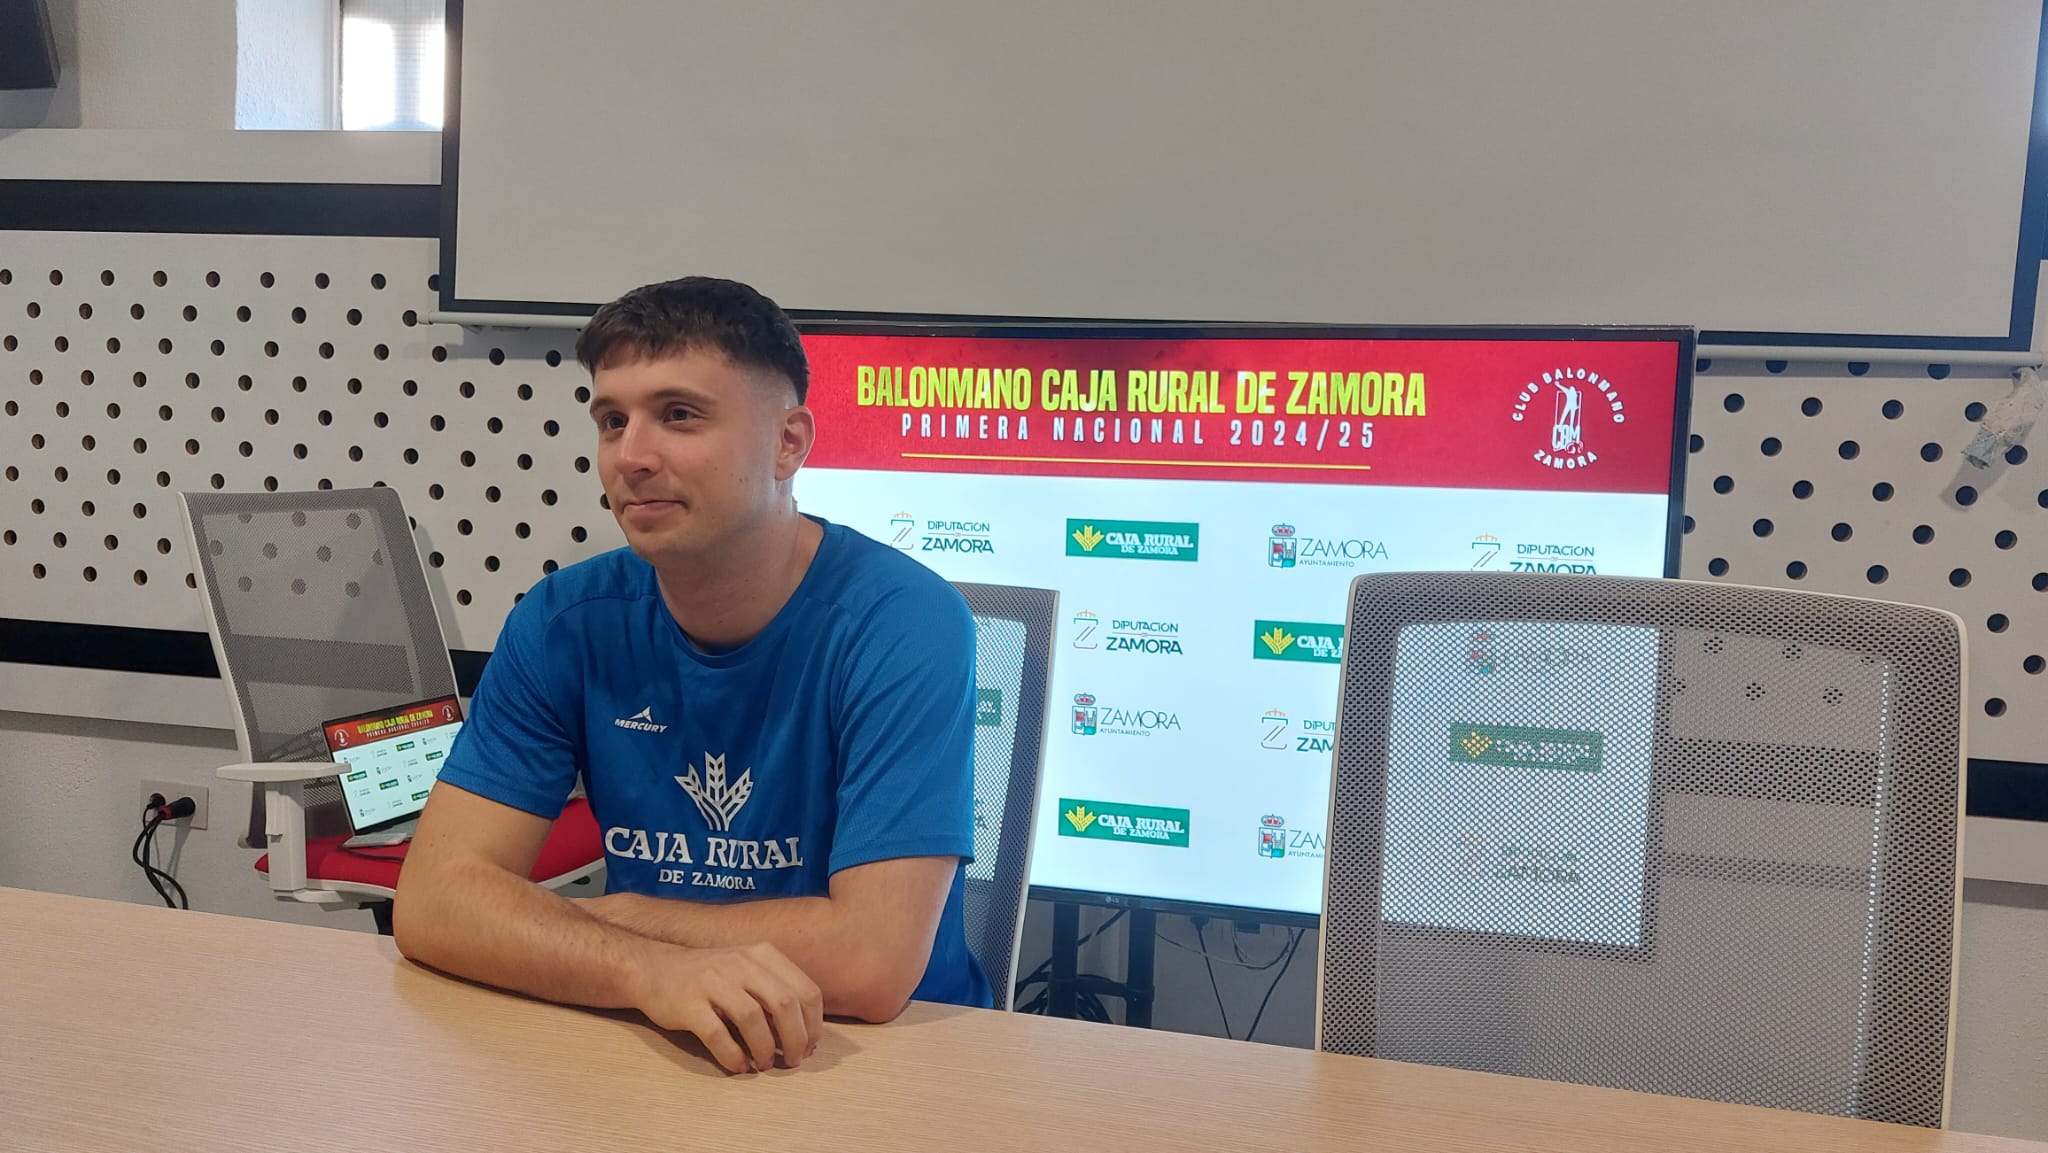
x,y
1013,629
319,609
1668,836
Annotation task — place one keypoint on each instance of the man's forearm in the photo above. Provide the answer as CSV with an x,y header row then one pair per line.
x,y
481,922
811,931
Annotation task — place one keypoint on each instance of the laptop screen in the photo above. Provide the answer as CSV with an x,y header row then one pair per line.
x,y
393,757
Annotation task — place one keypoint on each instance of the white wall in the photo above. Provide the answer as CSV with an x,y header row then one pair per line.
x,y
135,64
2001,1055
148,92
287,59
70,807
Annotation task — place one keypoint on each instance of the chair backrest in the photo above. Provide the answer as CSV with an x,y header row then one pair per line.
x,y
1669,836
1013,630
318,608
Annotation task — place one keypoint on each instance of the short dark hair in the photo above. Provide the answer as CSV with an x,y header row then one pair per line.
x,y
693,314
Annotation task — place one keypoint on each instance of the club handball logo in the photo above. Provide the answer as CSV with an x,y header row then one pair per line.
x,y
1565,394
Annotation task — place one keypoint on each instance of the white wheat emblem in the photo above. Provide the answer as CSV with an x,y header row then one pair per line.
x,y
718,801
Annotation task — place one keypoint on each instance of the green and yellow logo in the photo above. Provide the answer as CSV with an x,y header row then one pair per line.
x,y
1133,539
1107,821
1321,644
988,706
1526,747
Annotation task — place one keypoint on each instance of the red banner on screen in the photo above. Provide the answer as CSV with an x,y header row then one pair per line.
x,y
344,735
1575,415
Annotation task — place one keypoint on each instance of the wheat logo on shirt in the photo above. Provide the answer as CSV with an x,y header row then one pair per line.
x,y
717,799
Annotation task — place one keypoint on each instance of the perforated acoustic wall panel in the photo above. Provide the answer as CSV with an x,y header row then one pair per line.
x,y
134,366
1851,479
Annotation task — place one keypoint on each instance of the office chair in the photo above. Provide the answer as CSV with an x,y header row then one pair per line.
x,y
1013,630
318,608
1671,836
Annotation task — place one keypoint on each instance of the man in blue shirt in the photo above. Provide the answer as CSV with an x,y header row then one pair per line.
x,y
772,717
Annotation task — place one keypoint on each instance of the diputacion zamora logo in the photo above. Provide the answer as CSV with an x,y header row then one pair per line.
x,y
1281,733
958,535
1155,637
903,532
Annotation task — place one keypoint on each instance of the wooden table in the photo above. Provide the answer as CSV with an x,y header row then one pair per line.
x,y
129,1027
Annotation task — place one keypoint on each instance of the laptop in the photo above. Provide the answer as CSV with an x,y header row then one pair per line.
x,y
393,757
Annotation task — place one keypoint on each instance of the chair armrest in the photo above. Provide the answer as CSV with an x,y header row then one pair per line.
x,y
282,772
283,787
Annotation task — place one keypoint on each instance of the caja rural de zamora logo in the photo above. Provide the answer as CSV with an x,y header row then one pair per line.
x,y
1133,539
1526,747
1309,641
1109,821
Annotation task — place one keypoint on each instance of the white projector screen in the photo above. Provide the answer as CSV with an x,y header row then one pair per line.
x,y
1753,168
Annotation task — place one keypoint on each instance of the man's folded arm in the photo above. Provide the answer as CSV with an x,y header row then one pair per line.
x,y
866,943
465,906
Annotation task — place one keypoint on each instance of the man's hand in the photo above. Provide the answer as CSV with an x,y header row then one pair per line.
x,y
745,1004
867,943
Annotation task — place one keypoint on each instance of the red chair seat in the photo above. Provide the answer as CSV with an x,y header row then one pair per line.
x,y
573,843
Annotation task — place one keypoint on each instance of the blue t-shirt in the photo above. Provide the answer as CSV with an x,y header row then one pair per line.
x,y
841,735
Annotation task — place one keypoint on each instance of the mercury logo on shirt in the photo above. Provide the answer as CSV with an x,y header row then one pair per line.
x,y
642,721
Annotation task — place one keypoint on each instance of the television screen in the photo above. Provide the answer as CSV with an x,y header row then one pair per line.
x,y
1201,499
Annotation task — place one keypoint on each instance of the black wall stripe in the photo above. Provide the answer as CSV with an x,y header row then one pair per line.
x,y
469,669
166,652
221,208
2013,790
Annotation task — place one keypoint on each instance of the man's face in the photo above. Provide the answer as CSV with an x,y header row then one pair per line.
x,y
693,450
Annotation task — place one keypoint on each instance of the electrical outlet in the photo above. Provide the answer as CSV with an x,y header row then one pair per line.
x,y
172,790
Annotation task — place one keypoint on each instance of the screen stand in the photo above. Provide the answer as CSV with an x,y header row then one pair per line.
x,y
1066,950
1138,990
